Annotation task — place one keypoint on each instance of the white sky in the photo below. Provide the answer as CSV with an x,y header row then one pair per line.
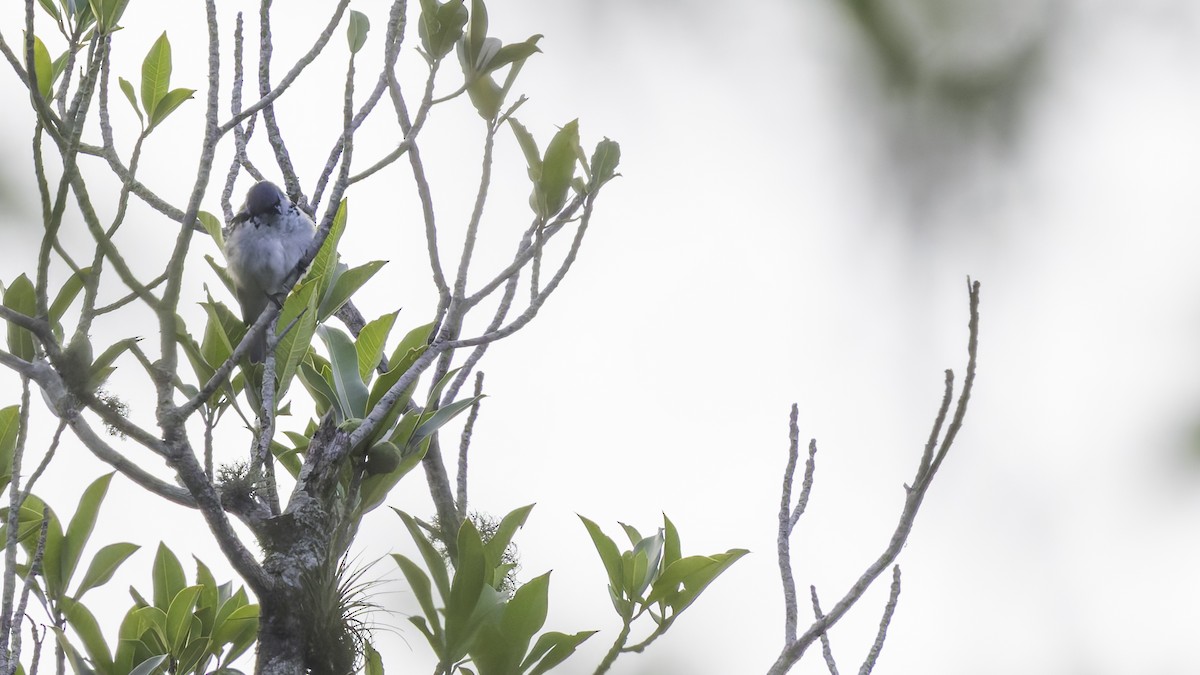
x,y
786,229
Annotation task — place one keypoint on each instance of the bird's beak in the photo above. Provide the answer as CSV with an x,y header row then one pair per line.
x,y
240,217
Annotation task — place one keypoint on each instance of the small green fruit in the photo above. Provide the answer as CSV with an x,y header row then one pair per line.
x,y
383,458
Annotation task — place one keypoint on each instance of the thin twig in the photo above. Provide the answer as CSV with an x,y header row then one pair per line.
x,y
826,648
888,610
464,446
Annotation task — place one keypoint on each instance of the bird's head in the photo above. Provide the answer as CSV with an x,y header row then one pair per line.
x,y
265,197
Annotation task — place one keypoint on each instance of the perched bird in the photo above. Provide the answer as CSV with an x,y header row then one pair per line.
x,y
264,243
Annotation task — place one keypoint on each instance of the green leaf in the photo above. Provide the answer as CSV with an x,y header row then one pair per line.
x,y
671,546
433,560
67,294
556,647
440,418
88,629
343,358
477,32
19,297
10,418
168,577
48,5
469,575
558,168
236,625
156,75
405,354
526,612
179,617
324,265
295,345
370,342
605,159
222,331
610,555
533,156
486,96
694,573
441,26
504,533
321,389
356,31
346,285
212,225
81,525
150,665
127,89
168,103
43,68
518,51
372,661
107,12
418,582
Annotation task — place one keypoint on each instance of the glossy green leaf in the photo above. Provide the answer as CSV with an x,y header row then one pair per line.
x,y
107,13
127,89
168,103
179,617
370,343
321,389
324,264
48,5
465,589
419,583
81,525
84,623
343,358
440,418
356,31
610,555
694,573
168,577
551,649
156,75
301,305
433,560
405,354
346,285
19,297
238,629
503,536
43,68
150,665
526,611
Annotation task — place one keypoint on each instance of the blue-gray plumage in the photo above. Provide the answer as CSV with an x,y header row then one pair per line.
x,y
265,242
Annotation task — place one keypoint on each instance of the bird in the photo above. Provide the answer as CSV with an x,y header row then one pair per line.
x,y
263,245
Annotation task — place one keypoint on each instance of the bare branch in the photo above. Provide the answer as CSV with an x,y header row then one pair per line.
x,y
888,610
826,649
915,495
464,446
